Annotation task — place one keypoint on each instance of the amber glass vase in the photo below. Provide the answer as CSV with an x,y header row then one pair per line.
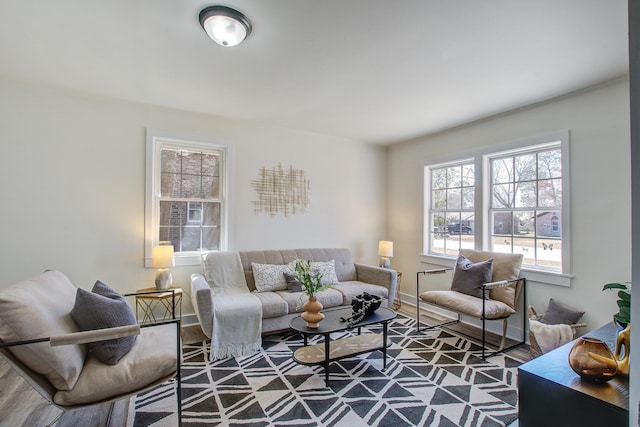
x,y
592,359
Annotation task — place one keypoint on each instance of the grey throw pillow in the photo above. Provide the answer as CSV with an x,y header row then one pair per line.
x,y
293,285
469,277
558,313
104,308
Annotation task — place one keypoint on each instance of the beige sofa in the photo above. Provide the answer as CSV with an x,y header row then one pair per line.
x,y
279,307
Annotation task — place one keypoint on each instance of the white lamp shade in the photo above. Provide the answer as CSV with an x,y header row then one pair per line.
x,y
385,248
162,256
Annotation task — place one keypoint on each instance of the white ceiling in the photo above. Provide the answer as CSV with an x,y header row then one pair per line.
x,y
379,71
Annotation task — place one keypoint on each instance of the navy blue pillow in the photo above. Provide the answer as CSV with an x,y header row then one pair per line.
x,y
104,308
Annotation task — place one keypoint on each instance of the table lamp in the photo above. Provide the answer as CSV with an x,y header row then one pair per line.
x,y
385,250
162,258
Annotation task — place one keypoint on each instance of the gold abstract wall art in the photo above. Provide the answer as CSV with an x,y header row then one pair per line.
x,y
281,190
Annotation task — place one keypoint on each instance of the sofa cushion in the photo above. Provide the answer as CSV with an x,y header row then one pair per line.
x,y
352,288
468,304
328,298
104,308
40,307
468,277
152,358
344,265
270,277
272,304
328,270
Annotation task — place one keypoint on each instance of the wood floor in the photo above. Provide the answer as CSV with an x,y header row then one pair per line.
x,y
21,406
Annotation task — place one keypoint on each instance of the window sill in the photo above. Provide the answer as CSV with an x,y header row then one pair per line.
x,y
180,260
538,276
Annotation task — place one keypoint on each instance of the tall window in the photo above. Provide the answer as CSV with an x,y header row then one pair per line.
x,y
526,206
451,215
511,200
189,199
186,197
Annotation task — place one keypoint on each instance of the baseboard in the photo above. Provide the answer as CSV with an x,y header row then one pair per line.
x,y
189,319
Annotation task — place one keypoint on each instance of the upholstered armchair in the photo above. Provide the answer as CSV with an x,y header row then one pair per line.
x,y
485,286
73,368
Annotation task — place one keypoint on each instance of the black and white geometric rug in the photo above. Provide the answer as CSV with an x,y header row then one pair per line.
x,y
433,378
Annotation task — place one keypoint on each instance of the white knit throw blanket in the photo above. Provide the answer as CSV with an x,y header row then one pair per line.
x,y
237,314
550,336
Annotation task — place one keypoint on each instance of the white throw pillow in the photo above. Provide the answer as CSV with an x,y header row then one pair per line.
x,y
328,270
270,277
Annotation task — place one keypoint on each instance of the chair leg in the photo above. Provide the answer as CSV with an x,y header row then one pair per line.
x,y
484,333
179,397
179,375
503,342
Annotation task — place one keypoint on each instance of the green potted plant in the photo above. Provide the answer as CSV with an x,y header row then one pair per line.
x,y
623,317
311,282
310,279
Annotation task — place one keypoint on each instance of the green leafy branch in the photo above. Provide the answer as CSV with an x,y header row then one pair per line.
x,y
624,301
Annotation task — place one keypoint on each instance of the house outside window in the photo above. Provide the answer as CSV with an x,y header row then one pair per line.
x,y
511,200
186,197
190,185
194,212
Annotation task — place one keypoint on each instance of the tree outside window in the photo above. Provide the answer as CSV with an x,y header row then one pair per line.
x,y
526,206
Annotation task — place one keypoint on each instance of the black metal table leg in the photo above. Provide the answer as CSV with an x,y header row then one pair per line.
x,y
327,340
384,346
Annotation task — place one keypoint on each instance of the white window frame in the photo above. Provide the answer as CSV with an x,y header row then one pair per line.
x,y
428,209
483,198
189,210
155,142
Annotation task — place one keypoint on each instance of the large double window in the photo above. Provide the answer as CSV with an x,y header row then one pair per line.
x,y
186,197
510,200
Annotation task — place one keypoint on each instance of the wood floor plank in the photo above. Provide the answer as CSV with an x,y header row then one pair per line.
x,y
22,406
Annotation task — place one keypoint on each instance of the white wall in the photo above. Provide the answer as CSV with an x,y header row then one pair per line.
x,y
73,172
598,121
73,188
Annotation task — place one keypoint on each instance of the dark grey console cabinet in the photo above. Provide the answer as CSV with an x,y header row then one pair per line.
x,y
551,394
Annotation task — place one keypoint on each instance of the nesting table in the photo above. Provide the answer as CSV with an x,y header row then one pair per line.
x,y
331,350
151,300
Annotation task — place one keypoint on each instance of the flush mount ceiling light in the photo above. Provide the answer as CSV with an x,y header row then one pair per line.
x,y
224,25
